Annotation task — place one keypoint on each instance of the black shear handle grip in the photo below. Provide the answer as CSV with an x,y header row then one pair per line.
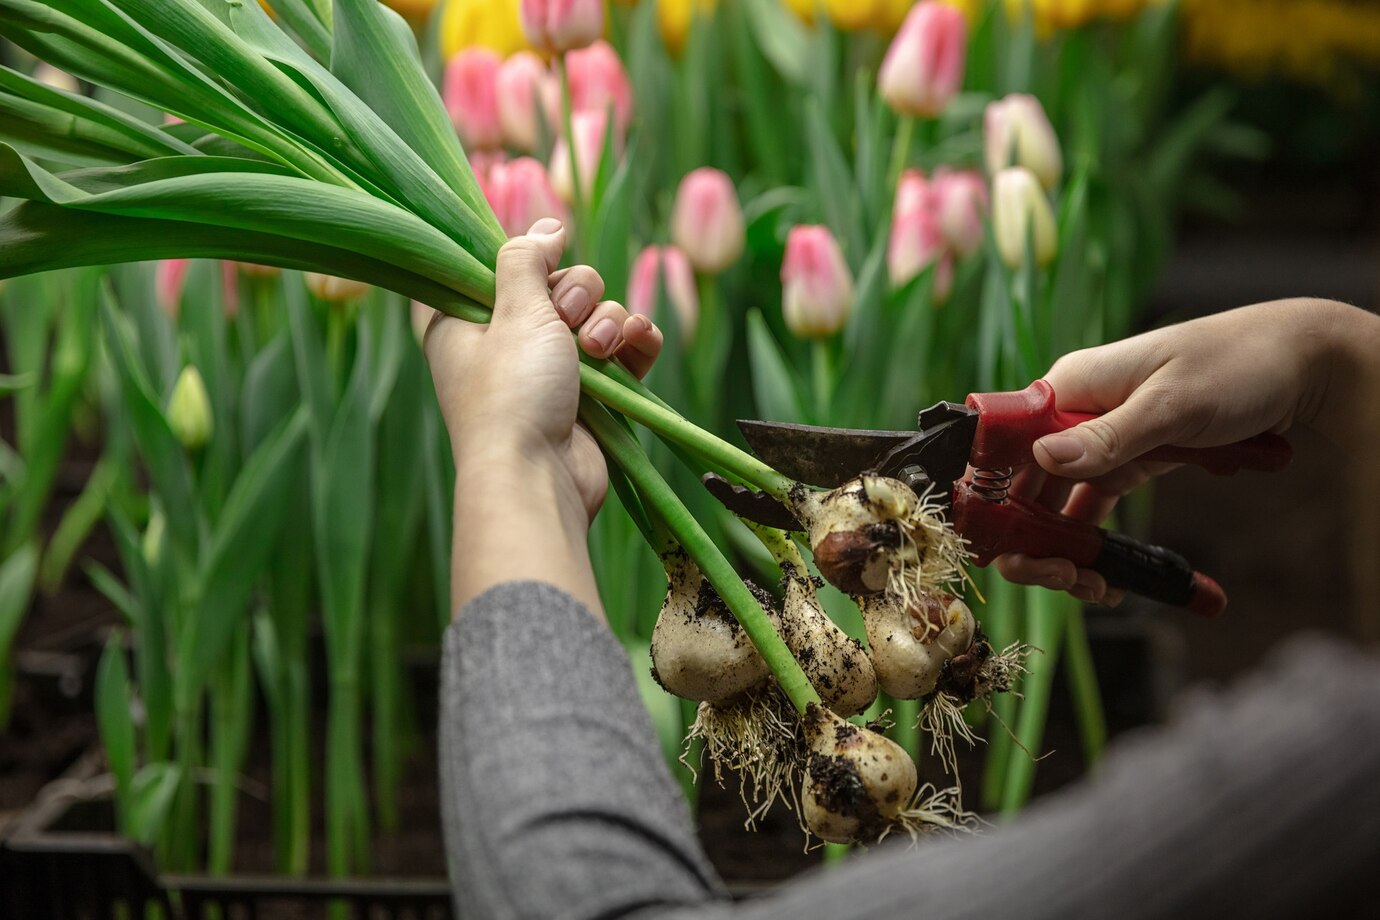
x,y
1012,525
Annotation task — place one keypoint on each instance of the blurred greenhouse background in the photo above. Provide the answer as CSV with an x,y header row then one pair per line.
x,y
225,489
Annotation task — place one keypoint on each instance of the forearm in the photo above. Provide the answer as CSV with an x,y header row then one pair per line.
x,y
1347,377
518,517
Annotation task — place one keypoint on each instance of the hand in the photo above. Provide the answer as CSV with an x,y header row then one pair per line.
x,y
1203,383
526,474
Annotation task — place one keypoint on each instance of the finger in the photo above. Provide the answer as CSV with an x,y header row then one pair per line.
x,y
1055,574
1028,482
641,345
602,333
1089,587
1113,597
575,291
1151,417
524,263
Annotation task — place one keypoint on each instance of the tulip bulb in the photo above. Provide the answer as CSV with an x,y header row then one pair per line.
x,y
699,650
874,534
835,663
857,782
911,643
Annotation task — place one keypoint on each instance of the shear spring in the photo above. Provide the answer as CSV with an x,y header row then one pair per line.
x,y
992,485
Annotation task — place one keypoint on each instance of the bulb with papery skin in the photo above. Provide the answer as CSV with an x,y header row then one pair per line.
x,y
835,663
857,783
699,650
910,643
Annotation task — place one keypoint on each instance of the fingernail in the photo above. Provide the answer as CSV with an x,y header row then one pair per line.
x,y
544,227
571,301
1053,579
604,334
643,324
1083,593
1062,448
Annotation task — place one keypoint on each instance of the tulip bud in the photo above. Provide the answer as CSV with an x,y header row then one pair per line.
x,y
598,81
589,129
707,221
923,68
1016,132
151,546
916,243
816,285
1020,211
169,275
189,410
470,91
333,289
526,87
658,265
520,192
561,25
961,201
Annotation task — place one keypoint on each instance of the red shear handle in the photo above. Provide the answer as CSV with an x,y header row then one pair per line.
x,y
1010,424
1015,526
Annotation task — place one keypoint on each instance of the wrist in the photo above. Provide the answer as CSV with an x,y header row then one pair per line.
x,y
1345,371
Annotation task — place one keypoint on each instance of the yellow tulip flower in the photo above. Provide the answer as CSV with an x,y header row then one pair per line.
x,y
673,18
487,23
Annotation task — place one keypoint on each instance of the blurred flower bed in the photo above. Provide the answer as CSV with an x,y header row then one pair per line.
x,y
839,212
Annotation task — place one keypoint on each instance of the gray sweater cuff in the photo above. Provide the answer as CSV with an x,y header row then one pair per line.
x,y
557,802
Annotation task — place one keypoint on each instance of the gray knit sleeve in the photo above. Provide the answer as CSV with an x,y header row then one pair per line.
x,y
557,802
1262,802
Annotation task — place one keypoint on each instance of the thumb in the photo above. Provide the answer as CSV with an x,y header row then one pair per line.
x,y
524,263
1142,423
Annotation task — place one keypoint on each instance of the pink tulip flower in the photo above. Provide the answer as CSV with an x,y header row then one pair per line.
x,y
923,68
916,243
520,193
470,92
1016,132
816,284
598,80
527,92
589,129
707,221
960,199
168,277
561,25
664,265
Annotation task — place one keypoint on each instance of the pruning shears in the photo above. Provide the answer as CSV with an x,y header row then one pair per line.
x,y
965,455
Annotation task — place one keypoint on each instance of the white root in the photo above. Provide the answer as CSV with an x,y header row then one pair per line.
x,y
756,735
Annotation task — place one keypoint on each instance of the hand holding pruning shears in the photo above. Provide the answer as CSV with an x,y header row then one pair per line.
x,y
1215,392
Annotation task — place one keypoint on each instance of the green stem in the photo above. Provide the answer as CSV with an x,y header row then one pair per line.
x,y
900,155
1047,616
624,449
1002,622
668,424
1087,700
823,366
577,205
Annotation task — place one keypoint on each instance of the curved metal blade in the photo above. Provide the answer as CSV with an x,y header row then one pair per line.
x,y
817,455
755,506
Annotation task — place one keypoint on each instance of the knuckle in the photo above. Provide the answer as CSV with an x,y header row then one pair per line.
x,y
517,250
1104,436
